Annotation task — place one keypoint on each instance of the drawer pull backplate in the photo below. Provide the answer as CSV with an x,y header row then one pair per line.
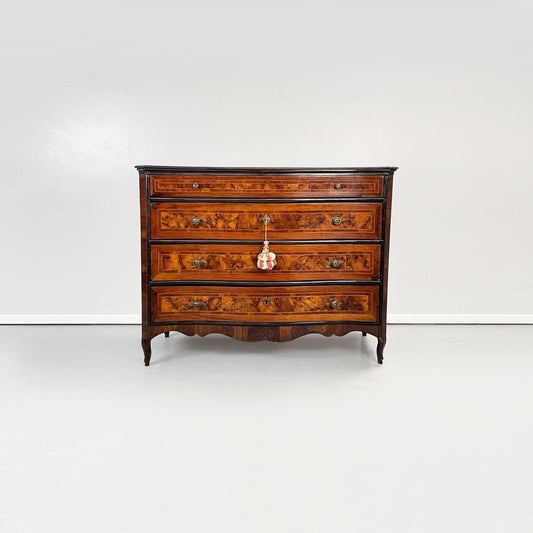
x,y
197,262
333,304
336,220
196,220
196,304
333,262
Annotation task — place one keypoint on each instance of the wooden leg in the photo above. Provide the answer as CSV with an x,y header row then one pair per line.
x,y
364,333
145,343
167,334
381,345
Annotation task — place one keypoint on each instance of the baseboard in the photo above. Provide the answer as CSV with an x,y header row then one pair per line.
x,y
70,319
459,319
392,319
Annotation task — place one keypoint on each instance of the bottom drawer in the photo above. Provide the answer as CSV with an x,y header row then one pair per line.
x,y
358,303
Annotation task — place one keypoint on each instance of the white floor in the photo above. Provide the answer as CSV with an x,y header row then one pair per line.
x,y
307,436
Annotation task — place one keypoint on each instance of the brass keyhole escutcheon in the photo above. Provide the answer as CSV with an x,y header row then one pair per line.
x,y
195,185
338,186
266,301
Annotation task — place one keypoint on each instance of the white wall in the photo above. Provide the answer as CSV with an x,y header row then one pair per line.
x,y
441,89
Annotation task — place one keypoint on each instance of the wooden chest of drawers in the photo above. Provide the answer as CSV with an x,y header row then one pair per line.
x,y
201,232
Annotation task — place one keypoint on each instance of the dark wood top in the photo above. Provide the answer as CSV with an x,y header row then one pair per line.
x,y
153,169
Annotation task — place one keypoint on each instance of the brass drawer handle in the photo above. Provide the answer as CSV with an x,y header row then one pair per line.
x,y
334,262
336,220
333,304
196,304
339,186
196,220
197,262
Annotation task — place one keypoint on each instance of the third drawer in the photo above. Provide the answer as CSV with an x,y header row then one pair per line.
x,y
174,262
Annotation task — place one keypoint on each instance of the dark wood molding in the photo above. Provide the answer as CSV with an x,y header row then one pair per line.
x,y
156,169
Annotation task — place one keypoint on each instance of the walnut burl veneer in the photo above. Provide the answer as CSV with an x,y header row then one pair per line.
x,y
201,231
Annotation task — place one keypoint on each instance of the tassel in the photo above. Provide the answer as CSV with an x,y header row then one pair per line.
x,y
266,260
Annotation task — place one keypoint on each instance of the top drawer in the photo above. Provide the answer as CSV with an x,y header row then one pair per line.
x,y
274,186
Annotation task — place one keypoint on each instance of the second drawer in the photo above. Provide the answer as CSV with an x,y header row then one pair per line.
x,y
213,220
174,262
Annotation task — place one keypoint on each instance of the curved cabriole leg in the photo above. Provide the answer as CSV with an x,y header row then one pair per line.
x,y
364,333
145,343
381,345
167,334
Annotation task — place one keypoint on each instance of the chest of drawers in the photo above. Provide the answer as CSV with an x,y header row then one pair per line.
x,y
201,232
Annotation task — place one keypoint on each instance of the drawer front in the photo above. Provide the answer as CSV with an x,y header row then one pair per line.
x,y
238,262
184,220
265,304
312,186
